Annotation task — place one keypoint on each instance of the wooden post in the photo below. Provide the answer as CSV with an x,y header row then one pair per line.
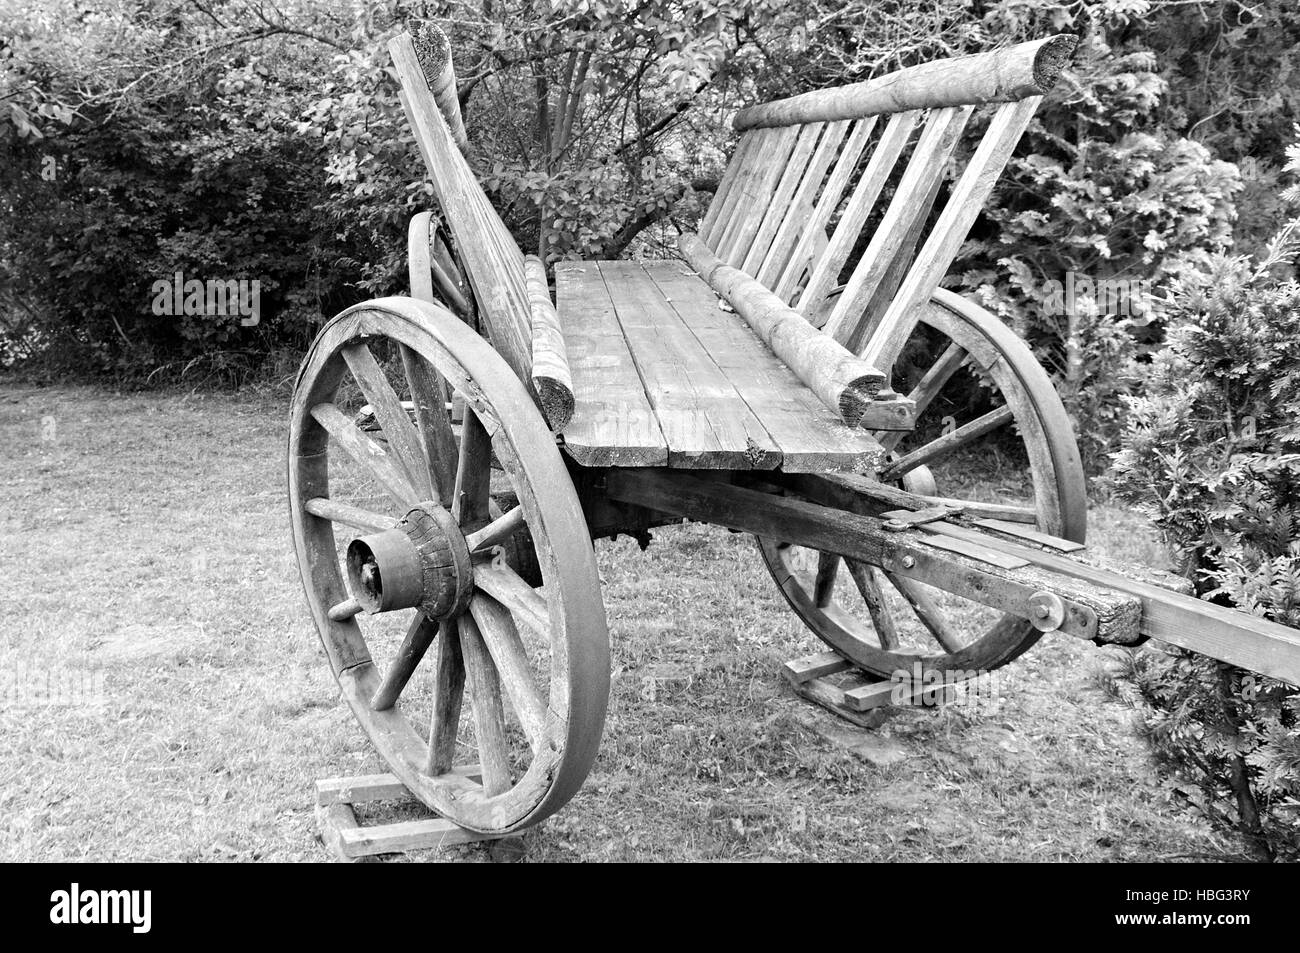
x,y
1006,75
843,382
551,375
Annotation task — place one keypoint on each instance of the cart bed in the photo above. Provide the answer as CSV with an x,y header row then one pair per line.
x,y
664,376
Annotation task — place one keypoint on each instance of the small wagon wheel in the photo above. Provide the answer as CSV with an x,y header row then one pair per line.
x,y
888,624
405,552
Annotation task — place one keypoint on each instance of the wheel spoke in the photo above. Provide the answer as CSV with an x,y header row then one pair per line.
x,y
508,588
828,566
395,425
498,531
507,650
485,699
429,394
953,357
864,578
365,452
448,692
473,475
927,611
949,442
418,638
347,514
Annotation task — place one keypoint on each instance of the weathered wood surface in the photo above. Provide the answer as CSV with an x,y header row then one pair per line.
x,y
613,423
1094,611
493,262
1006,75
845,383
664,376
552,378
433,51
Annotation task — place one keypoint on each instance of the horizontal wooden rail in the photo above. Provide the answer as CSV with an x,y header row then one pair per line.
x,y
999,76
844,383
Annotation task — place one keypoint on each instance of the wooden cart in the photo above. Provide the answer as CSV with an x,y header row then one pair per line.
x,y
450,520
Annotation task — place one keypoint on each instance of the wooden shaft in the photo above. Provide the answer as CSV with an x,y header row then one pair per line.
x,y
433,51
551,375
844,383
1006,75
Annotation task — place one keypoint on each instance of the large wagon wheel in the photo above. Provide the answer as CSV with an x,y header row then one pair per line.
x,y
888,624
403,550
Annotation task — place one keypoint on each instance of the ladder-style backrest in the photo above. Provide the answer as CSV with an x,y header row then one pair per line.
x,y
825,158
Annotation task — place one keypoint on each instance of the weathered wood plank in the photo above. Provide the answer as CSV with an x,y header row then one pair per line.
x,y
774,212
812,240
613,423
802,206
704,420
928,162
755,195
950,230
883,158
807,434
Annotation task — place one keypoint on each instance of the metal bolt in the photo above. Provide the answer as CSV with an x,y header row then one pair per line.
x,y
908,562
1041,611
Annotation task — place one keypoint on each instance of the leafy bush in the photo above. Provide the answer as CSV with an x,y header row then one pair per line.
x,y
1211,453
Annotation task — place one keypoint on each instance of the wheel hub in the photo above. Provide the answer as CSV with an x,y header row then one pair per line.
x,y
422,562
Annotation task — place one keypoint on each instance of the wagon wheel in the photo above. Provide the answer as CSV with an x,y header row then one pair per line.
x,y
887,624
404,553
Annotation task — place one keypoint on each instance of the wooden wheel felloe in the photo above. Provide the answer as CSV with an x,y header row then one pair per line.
x,y
410,542
888,624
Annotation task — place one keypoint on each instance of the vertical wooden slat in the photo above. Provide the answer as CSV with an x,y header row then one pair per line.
x,y
943,128
753,145
774,213
813,237
724,187
960,212
756,194
801,206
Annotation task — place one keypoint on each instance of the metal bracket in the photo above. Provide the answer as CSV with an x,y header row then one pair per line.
x,y
898,520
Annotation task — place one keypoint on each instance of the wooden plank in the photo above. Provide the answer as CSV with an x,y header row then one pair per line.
x,y
928,162
366,788
755,195
774,212
801,206
725,198
883,158
704,420
812,241
613,423
808,436
1021,531
425,834
950,230
1005,75
802,669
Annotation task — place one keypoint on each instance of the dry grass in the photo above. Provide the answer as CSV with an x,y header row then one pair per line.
x,y
147,537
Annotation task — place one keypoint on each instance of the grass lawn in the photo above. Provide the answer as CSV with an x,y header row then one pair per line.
x,y
145,539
